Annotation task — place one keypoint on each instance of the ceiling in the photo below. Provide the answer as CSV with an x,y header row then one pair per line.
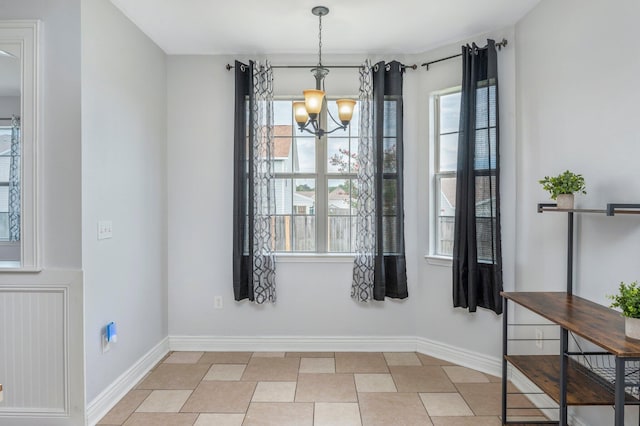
x,y
287,26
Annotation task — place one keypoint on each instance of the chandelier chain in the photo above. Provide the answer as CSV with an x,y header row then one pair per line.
x,y
320,39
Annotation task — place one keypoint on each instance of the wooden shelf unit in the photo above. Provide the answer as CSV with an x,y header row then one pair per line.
x,y
561,377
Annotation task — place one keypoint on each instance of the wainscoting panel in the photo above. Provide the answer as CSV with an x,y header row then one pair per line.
x,y
41,349
33,349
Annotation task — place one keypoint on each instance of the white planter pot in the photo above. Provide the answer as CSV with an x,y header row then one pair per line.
x,y
565,201
632,327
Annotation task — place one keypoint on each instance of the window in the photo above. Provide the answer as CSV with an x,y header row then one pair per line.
x,y
446,119
315,185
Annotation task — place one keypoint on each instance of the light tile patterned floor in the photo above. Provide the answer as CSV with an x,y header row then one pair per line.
x,y
320,389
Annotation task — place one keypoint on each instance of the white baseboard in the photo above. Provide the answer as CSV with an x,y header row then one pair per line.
x,y
294,343
466,358
101,404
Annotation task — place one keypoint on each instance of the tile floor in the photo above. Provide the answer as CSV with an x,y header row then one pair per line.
x,y
321,389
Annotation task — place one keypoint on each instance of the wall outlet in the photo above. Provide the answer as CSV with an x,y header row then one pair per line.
x,y
539,338
105,229
217,302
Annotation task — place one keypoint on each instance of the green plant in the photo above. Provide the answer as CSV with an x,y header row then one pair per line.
x,y
565,183
627,299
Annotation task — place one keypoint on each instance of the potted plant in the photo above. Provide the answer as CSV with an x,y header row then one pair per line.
x,y
628,300
562,188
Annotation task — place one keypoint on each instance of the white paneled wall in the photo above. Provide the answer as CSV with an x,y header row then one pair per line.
x,y
33,349
41,358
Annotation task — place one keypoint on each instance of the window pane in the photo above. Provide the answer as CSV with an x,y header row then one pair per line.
x,y
339,198
448,152
450,113
4,199
485,149
282,113
305,155
390,118
282,158
304,233
389,196
354,196
390,231
485,218
390,159
339,157
445,215
4,226
485,106
5,164
284,194
282,233
339,234
304,197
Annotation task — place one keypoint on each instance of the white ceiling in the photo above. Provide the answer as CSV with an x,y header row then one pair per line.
x,y
287,26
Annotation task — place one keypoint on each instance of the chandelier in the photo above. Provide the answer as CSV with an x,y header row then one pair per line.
x,y
307,112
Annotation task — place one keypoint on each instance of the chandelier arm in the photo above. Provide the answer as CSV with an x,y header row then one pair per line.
x,y
341,127
339,123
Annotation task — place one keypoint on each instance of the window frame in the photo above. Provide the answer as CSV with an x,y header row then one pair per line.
x,y
26,34
322,176
436,176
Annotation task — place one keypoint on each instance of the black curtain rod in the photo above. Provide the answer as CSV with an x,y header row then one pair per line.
x,y
500,45
229,67
8,118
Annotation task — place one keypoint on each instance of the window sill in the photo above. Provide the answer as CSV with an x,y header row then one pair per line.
x,y
438,260
314,258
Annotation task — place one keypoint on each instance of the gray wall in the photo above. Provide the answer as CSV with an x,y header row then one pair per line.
x,y
313,294
124,180
578,109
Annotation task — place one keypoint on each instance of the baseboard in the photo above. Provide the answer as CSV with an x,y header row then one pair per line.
x,y
294,343
484,363
101,404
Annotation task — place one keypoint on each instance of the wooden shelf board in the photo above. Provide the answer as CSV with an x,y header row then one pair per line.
x,y
583,386
596,323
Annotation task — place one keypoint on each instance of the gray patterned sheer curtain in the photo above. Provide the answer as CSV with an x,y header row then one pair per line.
x,y
380,264
477,252
254,197
14,181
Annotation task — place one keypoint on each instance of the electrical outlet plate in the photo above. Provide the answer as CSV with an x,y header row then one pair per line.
x,y
217,302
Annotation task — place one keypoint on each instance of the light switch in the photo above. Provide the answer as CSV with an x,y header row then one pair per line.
x,y
105,229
